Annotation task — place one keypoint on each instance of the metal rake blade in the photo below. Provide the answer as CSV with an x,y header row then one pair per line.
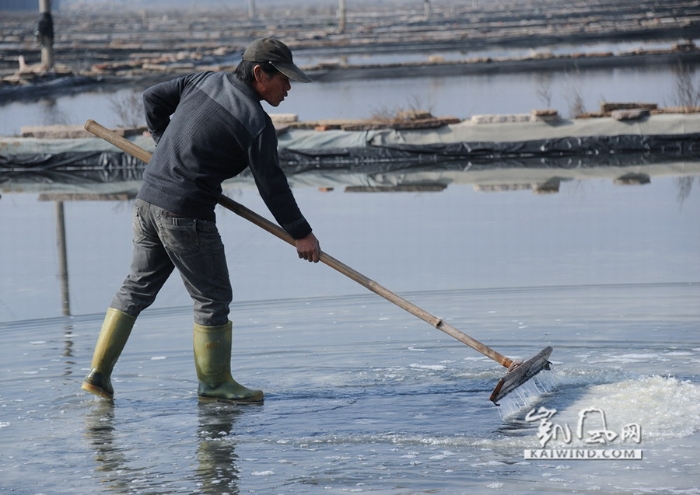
x,y
521,373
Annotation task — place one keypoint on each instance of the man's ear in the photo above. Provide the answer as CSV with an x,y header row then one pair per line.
x,y
258,73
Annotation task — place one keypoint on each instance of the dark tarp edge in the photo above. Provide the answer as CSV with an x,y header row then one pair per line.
x,y
566,152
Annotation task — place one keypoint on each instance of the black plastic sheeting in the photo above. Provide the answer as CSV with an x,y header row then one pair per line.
x,y
81,178
85,178
82,160
569,152
597,145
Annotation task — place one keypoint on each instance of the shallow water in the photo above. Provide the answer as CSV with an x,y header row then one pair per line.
x,y
457,96
591,233
362,397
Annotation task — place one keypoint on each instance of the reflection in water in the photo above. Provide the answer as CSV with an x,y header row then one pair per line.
x,y
660,180
51,112
111,461
217,468
68,337
685,185
121,185
218,463
538,175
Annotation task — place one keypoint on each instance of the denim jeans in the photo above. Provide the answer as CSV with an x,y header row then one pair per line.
x,y
164,241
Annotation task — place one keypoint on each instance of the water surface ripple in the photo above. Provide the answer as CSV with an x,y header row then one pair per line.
x,y
361,397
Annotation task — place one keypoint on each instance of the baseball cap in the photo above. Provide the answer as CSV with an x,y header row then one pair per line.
x,y
276,53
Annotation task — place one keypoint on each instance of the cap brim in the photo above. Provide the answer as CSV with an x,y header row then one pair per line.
x,y
292,72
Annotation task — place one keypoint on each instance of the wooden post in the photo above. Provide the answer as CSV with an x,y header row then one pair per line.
x,y
251,9
45,34
62,258
341,16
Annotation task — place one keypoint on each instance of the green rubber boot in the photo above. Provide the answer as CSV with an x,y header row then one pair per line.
x,y
212,358
113,336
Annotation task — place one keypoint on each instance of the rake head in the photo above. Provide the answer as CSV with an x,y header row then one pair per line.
x,y
519,373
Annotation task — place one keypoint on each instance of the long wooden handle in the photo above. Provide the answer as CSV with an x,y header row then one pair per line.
x,y
240,210
113,138
353,274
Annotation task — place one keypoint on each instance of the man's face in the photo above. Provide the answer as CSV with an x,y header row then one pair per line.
x,y
272,89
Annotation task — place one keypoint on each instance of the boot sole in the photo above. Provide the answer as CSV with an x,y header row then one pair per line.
x,y
97,391
230,401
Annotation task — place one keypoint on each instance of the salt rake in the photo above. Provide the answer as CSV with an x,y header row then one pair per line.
x,y
518,372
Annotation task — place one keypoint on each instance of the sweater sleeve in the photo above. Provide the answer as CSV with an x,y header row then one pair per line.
x,y
273,185
160,102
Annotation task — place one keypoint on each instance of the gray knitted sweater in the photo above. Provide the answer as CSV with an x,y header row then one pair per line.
x,y
208,127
